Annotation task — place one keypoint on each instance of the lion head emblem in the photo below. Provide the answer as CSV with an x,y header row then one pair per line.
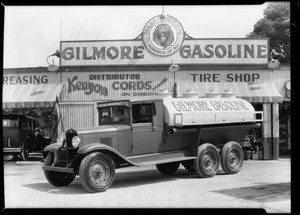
x,y
163,35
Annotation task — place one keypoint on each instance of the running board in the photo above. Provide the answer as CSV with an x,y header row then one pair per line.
x,y
159,158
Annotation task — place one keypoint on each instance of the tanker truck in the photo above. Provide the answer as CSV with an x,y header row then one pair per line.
x,y
202,134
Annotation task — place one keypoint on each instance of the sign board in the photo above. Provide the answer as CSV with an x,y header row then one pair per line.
x,y
162,42
192,51
114,85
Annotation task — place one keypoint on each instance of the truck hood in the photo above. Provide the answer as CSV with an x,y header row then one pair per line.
x,y
105,134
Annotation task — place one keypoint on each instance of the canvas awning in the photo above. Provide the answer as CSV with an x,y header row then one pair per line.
x,y
30,95
251,92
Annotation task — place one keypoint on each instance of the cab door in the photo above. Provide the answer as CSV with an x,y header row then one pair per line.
x,y
143,129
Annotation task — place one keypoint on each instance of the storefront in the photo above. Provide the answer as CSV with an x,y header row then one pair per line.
x,y
94,71
35,93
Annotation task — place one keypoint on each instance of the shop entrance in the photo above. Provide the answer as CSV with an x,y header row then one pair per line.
x,y
285,128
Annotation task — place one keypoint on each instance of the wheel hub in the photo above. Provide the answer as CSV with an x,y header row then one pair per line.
x,y
98,172
233,159
208,162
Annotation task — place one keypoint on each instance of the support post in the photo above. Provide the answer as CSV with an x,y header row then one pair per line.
x,y
275,131
289,132
175,90
267,131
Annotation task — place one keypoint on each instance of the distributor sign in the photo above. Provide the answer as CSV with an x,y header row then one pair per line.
x,y
164,41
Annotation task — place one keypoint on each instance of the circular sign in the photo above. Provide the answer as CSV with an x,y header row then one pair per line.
x,y
163,35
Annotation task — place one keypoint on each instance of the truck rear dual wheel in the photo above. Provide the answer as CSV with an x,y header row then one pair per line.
x,y
232,157
168,168
208,160
96,171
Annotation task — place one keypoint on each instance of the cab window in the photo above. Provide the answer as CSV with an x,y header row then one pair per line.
x,y
113,114
142,113
10,123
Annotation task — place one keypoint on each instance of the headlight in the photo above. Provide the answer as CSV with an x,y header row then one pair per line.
x,y
75,141
59,141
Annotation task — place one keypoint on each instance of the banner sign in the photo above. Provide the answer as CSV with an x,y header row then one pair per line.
x,y
114,85
211,51
164,41
24,79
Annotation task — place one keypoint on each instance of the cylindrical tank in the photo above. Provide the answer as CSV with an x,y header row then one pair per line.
x,y
201,111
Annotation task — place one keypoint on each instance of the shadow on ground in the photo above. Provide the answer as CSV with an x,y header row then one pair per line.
x,y
261,193
122,180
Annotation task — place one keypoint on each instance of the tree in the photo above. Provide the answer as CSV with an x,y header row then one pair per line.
x,y
275,25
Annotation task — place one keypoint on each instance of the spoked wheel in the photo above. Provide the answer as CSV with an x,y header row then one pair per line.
x,y
189,165
57,179
232,157
96,171
24,151
208,161
168,168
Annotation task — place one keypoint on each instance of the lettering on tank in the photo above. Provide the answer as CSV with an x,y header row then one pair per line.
x,y
204,106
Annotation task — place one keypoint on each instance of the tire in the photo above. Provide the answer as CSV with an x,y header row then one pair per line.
x,y
96,171
168,168
15,156
208,160
24,151
57,179
232,157
189,165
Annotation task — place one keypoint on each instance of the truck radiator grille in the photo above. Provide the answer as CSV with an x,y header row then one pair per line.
x,y
6,142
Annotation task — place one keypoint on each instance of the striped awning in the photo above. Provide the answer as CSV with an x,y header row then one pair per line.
x,y
251,92
30,95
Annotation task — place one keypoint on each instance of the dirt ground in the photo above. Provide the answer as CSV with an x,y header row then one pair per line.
x,y
260,184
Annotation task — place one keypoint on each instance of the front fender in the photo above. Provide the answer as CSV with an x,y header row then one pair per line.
x,y
51,147
102,147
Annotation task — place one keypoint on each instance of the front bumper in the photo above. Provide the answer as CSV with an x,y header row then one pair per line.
x,y
58,169
11,150
59,160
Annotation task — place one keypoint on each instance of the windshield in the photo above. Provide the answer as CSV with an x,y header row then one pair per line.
x,y
113,114
10,123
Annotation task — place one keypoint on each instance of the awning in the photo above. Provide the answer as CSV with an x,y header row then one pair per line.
x,y
251,92
30,95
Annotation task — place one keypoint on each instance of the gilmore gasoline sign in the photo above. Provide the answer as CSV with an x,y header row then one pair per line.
x,y
164,41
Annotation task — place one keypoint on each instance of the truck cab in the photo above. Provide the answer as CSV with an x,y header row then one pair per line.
x,y
199,133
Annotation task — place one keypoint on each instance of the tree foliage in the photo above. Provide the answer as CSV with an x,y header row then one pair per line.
x,y
275,25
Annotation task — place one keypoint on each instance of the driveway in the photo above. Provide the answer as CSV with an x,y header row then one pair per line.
x,y
260,184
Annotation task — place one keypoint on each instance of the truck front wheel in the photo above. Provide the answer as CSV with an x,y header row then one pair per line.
x,y
208,160
57,179
96,171
232,157
168,168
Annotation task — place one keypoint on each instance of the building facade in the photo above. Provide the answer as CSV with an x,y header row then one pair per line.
x,y
97,71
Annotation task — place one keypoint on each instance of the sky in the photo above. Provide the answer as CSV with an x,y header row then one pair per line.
x,y
32,33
